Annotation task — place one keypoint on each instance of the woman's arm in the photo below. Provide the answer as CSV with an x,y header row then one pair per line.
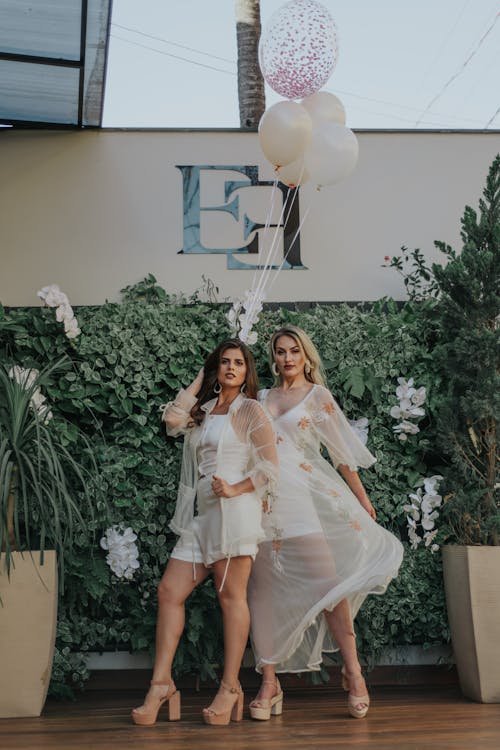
x,y
356,487
221,488
176,414
335,432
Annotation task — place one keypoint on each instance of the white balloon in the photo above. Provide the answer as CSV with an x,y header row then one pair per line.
x,y
332,153
323,106
284,132
294,174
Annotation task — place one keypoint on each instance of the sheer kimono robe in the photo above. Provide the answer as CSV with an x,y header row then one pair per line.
x,y
235,446
321,545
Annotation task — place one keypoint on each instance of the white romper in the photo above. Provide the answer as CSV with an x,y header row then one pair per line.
x,y
234,446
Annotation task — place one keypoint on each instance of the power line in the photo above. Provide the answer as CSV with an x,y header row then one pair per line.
x,y
169,54
491,119
444,43
403,106
174,44
460,70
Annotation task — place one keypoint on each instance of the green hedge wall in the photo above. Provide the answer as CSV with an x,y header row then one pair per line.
x,y
135,355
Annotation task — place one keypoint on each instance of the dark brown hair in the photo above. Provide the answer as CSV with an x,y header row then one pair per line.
x,y
211,367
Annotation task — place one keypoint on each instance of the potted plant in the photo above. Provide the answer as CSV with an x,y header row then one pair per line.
x,y
465,317
41,486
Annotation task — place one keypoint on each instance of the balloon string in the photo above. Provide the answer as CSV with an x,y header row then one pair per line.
x,y
301,224
267,225
266,272
268,262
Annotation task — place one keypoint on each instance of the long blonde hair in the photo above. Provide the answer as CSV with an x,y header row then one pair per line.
x,y
317,373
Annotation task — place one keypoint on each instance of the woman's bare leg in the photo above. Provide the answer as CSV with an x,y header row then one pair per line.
x,y
236,623
269,685
340,623
174,588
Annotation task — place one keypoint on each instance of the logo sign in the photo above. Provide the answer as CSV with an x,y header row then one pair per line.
x,y
234,189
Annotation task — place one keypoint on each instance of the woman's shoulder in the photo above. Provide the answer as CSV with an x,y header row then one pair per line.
x,y
321,399
251,409
262,394
320,393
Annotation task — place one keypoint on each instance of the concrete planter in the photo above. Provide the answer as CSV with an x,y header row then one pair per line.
x,y
472,585
28,615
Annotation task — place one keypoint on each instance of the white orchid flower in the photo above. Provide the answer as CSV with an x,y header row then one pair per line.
x,y
360,427
71,328
405,388
26,378
406,427
429,537
430,502
64,312
413,511
53,296
419,397
431,484
123,554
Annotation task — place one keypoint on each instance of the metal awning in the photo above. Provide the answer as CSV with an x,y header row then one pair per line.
x,y
53,61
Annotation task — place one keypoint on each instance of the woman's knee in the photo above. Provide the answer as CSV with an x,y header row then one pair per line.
x,y
230,598
169,593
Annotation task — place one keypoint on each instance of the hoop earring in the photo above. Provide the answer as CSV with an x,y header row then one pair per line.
x,y
274,369
217,387
243,388
307,367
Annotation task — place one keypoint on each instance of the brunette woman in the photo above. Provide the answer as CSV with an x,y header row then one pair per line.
x,y
229,464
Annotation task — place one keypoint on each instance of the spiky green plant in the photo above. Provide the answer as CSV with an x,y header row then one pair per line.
x,y
41,483
468,356
463,303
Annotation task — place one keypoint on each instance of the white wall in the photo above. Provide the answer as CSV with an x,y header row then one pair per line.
x,y
97,210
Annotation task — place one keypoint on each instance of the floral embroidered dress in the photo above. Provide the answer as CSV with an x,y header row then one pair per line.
x,y
235,445
321,545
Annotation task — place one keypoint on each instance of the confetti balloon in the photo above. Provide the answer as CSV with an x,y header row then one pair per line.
x,y
298,49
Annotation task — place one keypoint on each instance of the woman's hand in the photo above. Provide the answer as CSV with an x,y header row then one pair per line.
x,y
366,504
221,488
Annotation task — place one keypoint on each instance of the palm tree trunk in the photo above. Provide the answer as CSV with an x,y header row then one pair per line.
x,y
251,95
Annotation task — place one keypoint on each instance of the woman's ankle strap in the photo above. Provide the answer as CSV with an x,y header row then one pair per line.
x,y
229,688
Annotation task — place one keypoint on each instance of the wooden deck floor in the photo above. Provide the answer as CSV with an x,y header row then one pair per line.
x,y
406,718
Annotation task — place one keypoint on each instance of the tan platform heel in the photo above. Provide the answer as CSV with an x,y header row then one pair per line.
x,y
173,702
263,709
235,713
357,705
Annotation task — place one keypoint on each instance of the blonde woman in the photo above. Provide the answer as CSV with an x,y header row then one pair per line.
x,y
324,551
229,462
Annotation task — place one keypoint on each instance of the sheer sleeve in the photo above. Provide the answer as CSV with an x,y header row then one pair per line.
x,y
176,414
335,432
251,423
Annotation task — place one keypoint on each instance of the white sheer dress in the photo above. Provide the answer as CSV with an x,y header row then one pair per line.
x,y
321,545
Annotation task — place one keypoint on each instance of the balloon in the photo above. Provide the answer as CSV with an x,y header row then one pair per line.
x,y
332,153
298,48
324,106
294,174
284,132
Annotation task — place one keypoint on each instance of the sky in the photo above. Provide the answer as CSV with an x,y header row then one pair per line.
x,y
402,64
